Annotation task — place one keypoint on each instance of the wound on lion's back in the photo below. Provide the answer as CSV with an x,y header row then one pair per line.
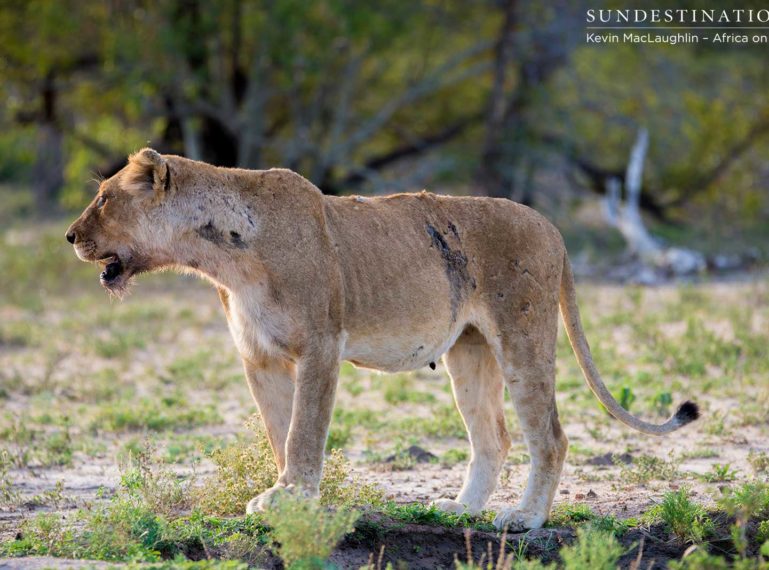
x,y
455,264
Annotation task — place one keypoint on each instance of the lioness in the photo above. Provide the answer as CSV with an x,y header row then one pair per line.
x,y
390,283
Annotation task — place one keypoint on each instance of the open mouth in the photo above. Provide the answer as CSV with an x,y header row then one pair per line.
x,y
115,273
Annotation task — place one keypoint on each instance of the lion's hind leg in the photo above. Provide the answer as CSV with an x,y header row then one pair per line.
x,y
478,388
531,383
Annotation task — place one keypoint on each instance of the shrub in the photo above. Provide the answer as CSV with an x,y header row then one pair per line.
x,y
687,520
243,470
305,532
246,468
593,550
746,501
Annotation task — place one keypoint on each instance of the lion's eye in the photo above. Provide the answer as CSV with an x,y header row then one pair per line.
x,y
101,201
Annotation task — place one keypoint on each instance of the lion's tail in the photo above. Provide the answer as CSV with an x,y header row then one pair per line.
x,y
686,413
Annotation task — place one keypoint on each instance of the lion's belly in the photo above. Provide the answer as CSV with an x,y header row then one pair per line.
x,y
396,353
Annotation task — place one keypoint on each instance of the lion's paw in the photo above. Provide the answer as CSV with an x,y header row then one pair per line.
x,y
517,520
449,506
263,501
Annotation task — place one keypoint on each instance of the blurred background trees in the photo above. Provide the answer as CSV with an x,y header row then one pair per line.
x,y
495,97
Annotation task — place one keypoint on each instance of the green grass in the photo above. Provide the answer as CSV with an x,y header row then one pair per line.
x,y
417,513
168,413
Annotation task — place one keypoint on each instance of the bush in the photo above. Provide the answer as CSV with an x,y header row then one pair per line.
x,y
687,520
305,532
245,469
593,550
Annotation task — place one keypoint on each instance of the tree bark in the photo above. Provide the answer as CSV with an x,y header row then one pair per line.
x,y
48,172
494,181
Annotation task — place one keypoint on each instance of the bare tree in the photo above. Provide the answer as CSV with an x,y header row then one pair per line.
x,y
625,216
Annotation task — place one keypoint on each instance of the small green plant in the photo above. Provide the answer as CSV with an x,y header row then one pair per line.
x,y
305,533
573,514
504,561
701,453
646,468
762,532
340,488
687,520
661,403
626,397
441,421
700,559
759,461
720,473
567,514
160,490
716,425
593,550
9,496
747,500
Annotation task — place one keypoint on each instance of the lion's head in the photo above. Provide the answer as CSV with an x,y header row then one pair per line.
x,y
121,227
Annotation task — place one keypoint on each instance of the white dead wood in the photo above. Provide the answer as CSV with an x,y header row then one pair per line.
x,y
626,217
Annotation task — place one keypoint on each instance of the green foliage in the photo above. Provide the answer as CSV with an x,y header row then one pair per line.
x,y
31,266
443,421
341,488
247,468
700,559
686,519
720,473
243,470
662,402
626,397
305,532
593,550
759,461
453,456
762,532
575,514
400,389
155,414
645,468
567,514
417,513
338,437
746,501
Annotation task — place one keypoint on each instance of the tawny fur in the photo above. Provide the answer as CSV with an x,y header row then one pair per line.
x,y
390,283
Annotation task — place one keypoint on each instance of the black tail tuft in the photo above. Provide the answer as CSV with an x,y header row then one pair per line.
x,y
687,413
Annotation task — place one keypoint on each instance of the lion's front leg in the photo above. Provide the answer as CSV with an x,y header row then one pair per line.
x,y
313,403
271,381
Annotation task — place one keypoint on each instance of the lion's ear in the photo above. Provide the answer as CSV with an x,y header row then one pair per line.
x,y
147,173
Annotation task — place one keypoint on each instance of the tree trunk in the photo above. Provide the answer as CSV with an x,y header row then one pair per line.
x,y
48,172
494,179
627,219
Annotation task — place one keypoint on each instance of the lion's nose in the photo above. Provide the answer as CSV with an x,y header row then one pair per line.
x,y
71,236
